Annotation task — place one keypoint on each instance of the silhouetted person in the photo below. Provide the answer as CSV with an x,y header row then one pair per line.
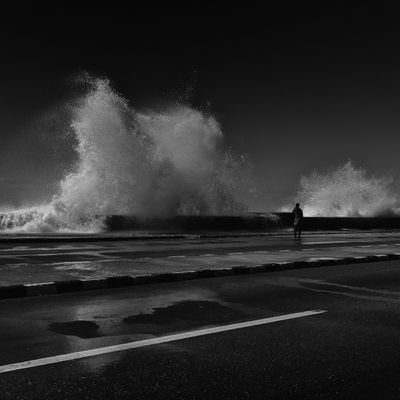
x,y
297,220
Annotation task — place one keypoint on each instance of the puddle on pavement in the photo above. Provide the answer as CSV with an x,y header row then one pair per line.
x,y
188,314
181,316
82,329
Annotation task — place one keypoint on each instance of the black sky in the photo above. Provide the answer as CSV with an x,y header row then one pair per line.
x,y
297,88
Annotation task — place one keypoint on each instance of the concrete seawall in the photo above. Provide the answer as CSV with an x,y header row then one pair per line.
x,y
334,223
250,222
195,223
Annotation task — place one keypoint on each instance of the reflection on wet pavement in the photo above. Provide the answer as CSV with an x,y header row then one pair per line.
x,y
186,314
82,329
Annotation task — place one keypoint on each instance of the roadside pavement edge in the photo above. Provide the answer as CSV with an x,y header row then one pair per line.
x,y
112,282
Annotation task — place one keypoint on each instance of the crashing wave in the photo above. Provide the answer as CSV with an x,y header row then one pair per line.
x,y
153,164
347,192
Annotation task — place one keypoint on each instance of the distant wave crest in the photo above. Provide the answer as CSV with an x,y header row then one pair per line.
x,y
347,191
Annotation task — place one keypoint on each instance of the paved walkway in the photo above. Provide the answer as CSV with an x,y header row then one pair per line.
x,y
28,265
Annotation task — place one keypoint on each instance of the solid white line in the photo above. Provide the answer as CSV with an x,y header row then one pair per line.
x,y
176,256
149,342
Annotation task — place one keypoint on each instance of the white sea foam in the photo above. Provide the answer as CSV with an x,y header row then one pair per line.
x,y
347,191
153,164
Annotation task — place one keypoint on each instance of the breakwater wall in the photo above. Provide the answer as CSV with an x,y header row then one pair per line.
x,y
195,223
249,222
334,223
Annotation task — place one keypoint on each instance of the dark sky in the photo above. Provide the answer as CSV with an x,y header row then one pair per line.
x,y
296,88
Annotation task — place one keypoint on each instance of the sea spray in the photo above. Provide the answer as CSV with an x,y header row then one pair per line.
x,y
153,164
347,191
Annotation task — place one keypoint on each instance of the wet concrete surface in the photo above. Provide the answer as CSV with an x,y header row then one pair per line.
x,y
350,352
37,263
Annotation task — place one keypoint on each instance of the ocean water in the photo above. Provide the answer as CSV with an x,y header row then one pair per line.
x,y
161,164
150,165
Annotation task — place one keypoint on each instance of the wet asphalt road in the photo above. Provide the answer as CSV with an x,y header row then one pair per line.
x,y
352,351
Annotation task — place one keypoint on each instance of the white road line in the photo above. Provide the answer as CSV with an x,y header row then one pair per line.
x,y
356,288
176,256
366,245
206,255
149,342
284,251
328,242
261,252
235,254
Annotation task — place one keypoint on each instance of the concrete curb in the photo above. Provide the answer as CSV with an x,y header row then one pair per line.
x,y
60,287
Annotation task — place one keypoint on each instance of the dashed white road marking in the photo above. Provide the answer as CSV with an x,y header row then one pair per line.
x,y
235,254
261,252
149,342
328,242
207,255
357,288
176,256
284,251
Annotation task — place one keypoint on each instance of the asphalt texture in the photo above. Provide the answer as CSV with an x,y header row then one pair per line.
x,y
352,351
